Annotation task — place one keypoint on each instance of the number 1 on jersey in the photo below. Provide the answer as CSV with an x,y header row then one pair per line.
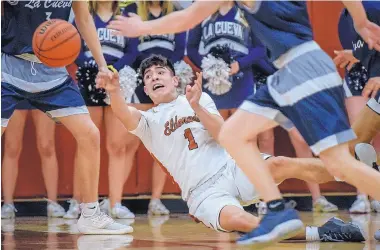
x,y
189,136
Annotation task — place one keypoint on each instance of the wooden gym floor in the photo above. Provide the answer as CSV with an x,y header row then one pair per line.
x,y
159,233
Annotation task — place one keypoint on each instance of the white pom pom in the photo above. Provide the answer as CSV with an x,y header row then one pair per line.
x,y
184,73
216,73
128,84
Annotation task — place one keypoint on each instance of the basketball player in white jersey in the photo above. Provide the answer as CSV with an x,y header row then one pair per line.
x,y
180,133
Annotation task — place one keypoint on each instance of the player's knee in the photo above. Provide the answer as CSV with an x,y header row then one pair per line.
x,y
46,148
90,137
12,149
334,160
336,170
116,147
235,219
133,144
237,222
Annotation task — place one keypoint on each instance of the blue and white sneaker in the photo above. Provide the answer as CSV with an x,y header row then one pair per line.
x,y
274,227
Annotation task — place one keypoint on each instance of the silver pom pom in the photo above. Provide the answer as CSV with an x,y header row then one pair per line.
x,y
216,73
185,75
128,84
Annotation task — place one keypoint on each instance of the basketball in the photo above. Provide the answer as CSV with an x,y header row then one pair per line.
x,y
56,43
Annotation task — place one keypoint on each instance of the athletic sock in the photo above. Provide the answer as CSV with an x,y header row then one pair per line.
x,y
276,205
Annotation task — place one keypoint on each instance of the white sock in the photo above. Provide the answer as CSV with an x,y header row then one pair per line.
x,y
362,197
312,234
90,209
154,200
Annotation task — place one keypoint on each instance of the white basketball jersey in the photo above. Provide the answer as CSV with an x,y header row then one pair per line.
x,y
174,135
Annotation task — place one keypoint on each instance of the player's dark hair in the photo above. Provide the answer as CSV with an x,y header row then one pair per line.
x,y
154,60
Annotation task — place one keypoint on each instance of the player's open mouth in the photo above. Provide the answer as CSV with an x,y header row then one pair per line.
x,y
157,86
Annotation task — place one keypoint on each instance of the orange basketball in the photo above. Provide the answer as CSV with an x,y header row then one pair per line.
x,y
56,43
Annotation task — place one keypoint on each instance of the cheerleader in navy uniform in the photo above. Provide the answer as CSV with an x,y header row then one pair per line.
x,y
119,52
171,46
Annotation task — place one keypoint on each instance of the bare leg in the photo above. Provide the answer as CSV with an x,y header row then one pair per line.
x,y
76,187
376,145
354,105
233,218
366,127
242,145
45,133
266,142
307,169
121,147
158,181
225,113
132,147
303,151
88,154
12,150
340,163
96,114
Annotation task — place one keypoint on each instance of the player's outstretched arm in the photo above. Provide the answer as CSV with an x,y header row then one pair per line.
x,y
368,30
87,29
212,122
129,116
175,22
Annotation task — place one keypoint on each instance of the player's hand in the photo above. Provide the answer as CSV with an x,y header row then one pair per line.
x,y
104,75
132,26
371,88
110,85
194,92
370,32
234,68
345,59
